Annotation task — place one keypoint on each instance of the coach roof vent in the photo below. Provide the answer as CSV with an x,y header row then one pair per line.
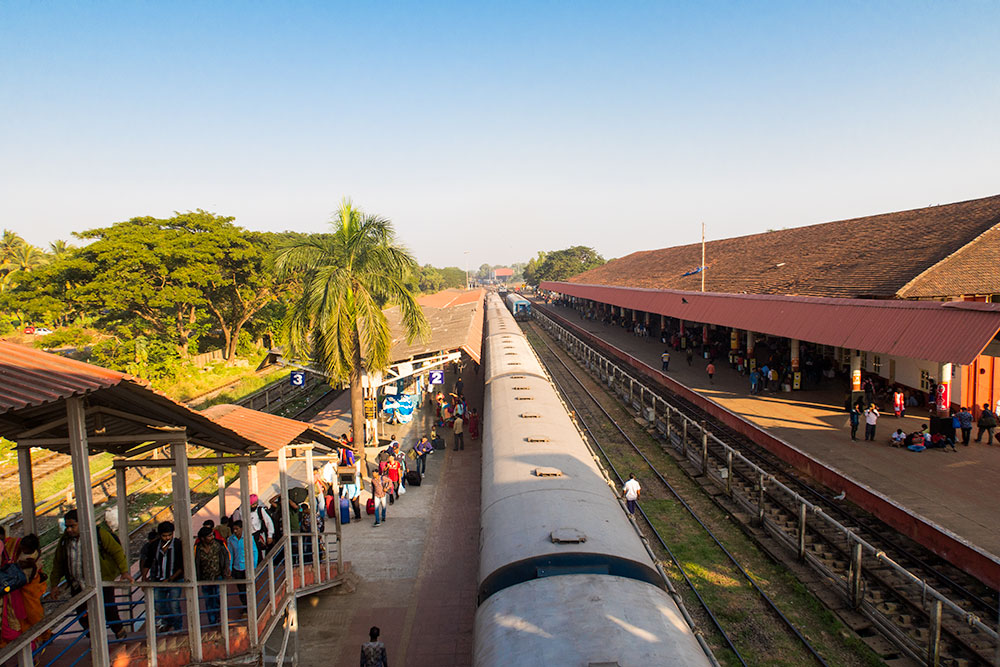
x,y
568,536
529,415
548,472
536,438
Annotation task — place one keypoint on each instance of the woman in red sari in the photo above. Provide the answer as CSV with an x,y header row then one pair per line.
x,y
22,608
473,424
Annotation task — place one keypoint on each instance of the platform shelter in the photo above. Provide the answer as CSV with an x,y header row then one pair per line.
x,y
56,403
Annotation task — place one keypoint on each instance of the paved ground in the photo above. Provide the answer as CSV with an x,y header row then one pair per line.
x,y
417,572
957,490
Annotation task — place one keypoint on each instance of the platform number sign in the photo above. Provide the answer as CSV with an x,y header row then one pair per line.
x,y
298,378
437,377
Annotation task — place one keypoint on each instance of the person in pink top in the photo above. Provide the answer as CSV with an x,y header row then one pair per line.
x,y
710,369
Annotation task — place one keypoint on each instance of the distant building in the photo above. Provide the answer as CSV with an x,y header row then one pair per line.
x,y
502,275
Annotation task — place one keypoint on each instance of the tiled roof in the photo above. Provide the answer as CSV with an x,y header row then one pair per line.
x,y
973,269
456,322
875,256
267,430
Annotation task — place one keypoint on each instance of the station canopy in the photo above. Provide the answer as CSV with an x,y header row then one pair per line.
x,y
121,411
946,332
455,317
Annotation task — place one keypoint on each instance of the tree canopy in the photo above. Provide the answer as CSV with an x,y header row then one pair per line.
x,y
562,264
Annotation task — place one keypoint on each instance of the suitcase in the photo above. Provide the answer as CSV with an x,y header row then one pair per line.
x,y
413,478
345,510
370,506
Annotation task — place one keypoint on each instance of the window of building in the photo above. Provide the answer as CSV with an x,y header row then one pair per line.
x,y
925,380
864,361
877,363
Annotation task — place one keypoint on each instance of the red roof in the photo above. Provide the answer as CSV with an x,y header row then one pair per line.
x,y
948,332
499,273
270,431
30,377
455,318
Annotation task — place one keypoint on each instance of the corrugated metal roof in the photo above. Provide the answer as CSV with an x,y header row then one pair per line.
x,y
30,377
951,332
267,430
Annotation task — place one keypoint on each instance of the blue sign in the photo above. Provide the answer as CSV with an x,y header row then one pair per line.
x,y
297,378
437,377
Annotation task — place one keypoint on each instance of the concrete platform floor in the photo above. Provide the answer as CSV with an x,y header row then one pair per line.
x,y
417,571
956,490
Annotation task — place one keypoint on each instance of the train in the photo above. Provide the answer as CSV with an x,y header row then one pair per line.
x,y
564,577
518,306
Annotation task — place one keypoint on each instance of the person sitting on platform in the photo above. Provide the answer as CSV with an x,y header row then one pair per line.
x,y
898,439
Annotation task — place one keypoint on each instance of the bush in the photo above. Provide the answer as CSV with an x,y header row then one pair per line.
x,y
70,337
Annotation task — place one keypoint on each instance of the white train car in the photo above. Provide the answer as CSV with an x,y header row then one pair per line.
x,y
563,577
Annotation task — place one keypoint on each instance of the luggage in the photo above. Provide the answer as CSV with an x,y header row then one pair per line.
x,y
413,478
345,510
370,506
11,578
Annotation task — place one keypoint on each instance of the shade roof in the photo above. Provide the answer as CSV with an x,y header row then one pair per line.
x,y
947,332
267,430
34,386
456,322
873,256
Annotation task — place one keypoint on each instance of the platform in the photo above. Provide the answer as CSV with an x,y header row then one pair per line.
x,y
417,572
956,490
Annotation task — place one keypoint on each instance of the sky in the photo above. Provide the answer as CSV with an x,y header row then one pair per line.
x,y
489,131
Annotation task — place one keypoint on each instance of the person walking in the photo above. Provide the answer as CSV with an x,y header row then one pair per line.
x,y
965,423
871,418
373,652
67,563
710,369
987,422
261,525
379,495
665,360
631,491
855,421
459,435
754,381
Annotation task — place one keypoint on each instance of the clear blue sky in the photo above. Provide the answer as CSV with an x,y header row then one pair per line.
x,y
498,128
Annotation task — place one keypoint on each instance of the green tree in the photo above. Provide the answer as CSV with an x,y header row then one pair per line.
x,y
348,278
168,279
452,276
564,264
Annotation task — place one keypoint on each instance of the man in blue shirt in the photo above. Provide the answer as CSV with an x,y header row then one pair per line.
x,y
237,554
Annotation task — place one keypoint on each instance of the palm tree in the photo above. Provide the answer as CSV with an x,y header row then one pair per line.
x,y
59,249
27,257
347,278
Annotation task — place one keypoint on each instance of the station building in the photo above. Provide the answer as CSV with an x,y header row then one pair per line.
x,y
906,297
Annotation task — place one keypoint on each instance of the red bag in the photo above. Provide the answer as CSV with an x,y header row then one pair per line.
x,y
370,506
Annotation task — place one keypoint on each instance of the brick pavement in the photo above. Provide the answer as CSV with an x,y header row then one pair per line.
x,y
417,572
958,491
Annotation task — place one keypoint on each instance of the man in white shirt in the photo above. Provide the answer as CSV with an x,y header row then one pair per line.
x,y
261,526
631,492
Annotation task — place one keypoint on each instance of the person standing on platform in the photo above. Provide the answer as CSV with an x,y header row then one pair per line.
x,y
631,491
690,355
373,652
710,369
421,449
899,402
987,422
871,418
765,375
855,421
665,360
459,435
965,423
754,381
379,495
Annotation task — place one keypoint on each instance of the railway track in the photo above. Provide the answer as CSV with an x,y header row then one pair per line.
x,y
930,610
611,440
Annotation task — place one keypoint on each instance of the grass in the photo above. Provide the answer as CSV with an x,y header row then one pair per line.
x,y
54,483
243,388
